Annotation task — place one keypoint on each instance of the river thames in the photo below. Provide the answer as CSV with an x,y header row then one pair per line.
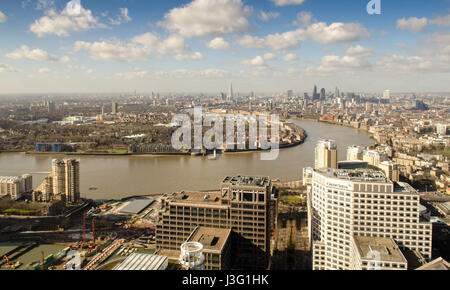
x,y
116,177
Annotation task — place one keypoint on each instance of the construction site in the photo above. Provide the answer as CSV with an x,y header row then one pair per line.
x,y
99,238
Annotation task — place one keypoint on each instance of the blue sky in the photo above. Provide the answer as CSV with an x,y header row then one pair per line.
x,y
203,45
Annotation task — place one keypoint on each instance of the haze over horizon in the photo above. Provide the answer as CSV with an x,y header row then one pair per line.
x,y
203,45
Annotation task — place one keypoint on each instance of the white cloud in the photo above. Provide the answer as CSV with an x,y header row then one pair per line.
x,y
123,17
290,57
360,51
442,39
195,56
437,50
139,48
270,56
6,68
400,45
304,18
218,43
336,32
3,17
399,63
113,50
434,57
319,32
355,60
415,25
334,63
65,59
208,17
172,45
133,75
257,62
412,24
287,2
276,42
44,4
266,16
147,39
442,21
44,70
25,53
63,23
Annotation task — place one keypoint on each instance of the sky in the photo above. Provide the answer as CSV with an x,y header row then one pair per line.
x,y
201,46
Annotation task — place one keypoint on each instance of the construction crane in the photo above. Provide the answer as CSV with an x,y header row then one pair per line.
x,y
84,227
93,231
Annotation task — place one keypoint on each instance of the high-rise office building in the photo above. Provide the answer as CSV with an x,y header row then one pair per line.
x,y
51,107
336,93
387,94
290,93
231,95
72,180
246,205
342,104
315,94
115,108
322,94
420,105
359,216
326,154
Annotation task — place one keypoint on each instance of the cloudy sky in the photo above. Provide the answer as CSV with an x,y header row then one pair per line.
x,y
48,46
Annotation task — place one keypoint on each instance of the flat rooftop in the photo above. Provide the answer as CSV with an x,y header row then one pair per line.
x,y
10,179
444,207
388,249
205,198
253,181
212,239
403,187
438,264
354,174
136,205
143,262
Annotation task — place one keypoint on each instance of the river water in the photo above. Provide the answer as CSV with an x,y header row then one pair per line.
x,y
116,177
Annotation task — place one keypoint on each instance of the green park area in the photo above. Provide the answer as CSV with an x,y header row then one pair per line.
x,y
11,207
293,200
292,196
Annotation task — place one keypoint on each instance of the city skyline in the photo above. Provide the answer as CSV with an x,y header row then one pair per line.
x,y
268,45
